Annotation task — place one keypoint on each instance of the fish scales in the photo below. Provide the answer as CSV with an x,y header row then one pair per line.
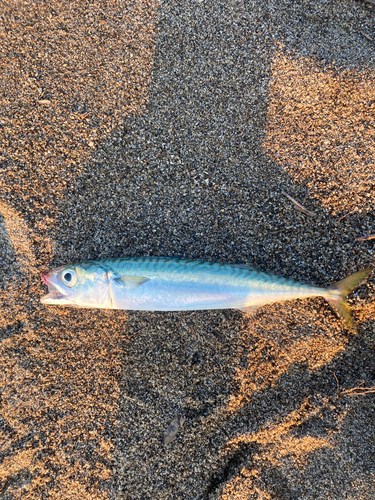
x,y
171,284
182,285
190,270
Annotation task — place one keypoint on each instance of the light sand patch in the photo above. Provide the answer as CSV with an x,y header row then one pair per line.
x,y
272,347
277,443
321,130
278,435
19,236
80,77
60,391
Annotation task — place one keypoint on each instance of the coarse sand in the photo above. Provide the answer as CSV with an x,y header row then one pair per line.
x,y
172,128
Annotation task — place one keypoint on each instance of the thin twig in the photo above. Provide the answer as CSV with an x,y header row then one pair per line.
x,y
298,205
343,217
338,385
366,35
367,238
354,391
362,390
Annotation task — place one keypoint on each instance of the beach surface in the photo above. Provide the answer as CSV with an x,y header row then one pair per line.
x,y
175,128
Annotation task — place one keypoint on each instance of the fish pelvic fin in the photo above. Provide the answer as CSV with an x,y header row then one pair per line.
x,y
339,292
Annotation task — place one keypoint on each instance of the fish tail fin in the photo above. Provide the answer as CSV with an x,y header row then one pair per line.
x,y
339,292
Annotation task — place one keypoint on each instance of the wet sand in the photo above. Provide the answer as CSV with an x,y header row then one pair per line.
x,y
172,128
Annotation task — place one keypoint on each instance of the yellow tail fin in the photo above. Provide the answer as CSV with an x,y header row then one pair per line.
x,y
342,289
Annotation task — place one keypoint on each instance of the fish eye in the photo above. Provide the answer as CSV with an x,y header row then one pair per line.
x,y
69,277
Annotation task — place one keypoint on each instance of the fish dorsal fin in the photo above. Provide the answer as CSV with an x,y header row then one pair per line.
x,y
131,281
249,309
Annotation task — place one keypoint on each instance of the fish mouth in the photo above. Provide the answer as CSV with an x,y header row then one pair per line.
x,y
54,296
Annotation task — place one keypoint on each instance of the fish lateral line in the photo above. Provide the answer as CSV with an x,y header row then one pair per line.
x,y
172,284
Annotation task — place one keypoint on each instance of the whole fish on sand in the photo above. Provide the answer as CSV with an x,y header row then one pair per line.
x,y
170,284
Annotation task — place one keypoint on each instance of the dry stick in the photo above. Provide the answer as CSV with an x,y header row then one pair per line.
x,y
365,390
298,205
352,391
371,237
366,35
338,385
343,217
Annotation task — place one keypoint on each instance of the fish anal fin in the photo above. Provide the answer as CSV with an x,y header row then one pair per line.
x,y
131,281
249,309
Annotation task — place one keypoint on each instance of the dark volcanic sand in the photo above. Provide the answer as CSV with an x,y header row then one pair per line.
x,y
171,128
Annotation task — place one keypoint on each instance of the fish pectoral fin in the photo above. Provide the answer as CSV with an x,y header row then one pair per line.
x,y
131,281
249,309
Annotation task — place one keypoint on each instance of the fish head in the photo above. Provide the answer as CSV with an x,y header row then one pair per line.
x,y
77,285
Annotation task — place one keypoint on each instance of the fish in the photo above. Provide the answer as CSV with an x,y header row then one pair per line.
x,y
172,284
